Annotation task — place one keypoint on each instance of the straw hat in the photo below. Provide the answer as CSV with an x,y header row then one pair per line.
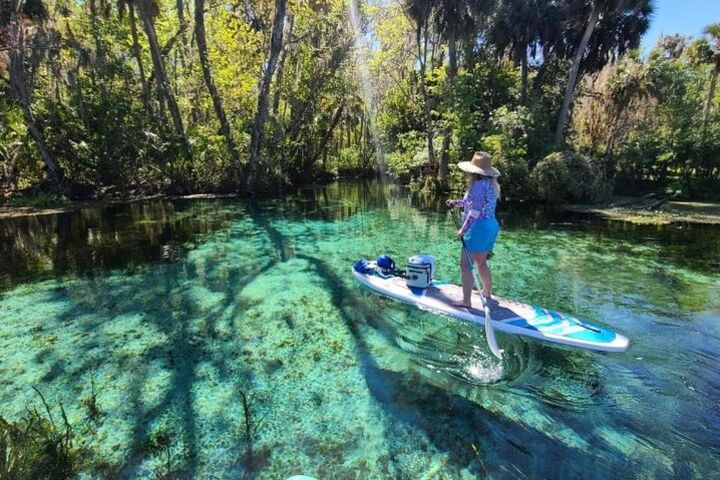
x,y
481,164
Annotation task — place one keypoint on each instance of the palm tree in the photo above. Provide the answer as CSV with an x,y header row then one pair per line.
x,y
713,33
522,26
452,20
619,23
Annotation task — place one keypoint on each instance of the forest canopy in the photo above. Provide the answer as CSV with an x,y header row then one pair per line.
x,y
137,97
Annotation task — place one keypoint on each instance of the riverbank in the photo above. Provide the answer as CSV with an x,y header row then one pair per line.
x,y
653,210
648,210
69,206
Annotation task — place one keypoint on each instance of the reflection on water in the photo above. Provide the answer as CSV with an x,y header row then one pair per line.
x,y
98,239
174,308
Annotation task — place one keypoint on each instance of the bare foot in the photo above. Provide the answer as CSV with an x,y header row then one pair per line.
x,y
460,304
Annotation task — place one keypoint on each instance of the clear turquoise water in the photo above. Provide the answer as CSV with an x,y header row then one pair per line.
x,y
175,307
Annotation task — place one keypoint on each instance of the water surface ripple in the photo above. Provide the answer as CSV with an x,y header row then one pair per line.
x,y
175,308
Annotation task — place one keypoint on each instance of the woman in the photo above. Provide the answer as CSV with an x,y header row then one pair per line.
x,y
479,228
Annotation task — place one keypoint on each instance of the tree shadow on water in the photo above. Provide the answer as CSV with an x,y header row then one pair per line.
x,y
472,437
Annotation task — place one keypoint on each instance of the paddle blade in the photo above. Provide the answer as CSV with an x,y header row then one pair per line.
x,y
490,334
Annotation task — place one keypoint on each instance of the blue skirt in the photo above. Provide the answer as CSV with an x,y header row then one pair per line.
x,y
481,236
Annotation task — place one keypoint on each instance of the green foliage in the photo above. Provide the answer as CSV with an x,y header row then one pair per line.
x,y
212,167
515,179
668,145
478,93
95,107
409,158
569,177
511,131
401,113
36,448
508,145
41,200
18,167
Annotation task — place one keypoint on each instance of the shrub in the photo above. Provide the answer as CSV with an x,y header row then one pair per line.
x,y
569,177
409,159
515,177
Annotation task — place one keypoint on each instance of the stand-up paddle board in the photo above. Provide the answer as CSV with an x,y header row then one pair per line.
x,y
507,316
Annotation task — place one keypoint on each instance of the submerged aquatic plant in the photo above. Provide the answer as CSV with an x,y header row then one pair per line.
x,y
157,443
251,430
90,402
35,447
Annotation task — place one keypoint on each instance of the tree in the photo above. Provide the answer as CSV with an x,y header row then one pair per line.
x,y
419,11
18,26
671,47
263,103
148,11
713,34
620,25
523,27
210,82
454,19
138,56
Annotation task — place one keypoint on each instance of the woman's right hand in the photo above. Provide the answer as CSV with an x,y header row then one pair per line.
x,y
451,203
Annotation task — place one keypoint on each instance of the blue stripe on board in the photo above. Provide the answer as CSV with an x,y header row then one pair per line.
x,y
542,316
604,336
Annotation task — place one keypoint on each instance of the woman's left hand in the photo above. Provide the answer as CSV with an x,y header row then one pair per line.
x,y
460,233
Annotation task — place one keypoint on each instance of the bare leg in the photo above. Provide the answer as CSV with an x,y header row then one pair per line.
x,y
484,271
467,281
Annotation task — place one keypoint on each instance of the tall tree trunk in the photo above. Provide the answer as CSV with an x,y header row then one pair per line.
x,y
523,74
180,7
210,82
21,91
427,109
161,77
447,134
279,123
258,130
572,80
288,27
99,52
711,91
138,58
326,137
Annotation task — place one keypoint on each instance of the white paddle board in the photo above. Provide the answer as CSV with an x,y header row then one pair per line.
x,y
507,316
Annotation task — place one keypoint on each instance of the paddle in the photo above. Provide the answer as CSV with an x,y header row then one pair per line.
x,y
489,332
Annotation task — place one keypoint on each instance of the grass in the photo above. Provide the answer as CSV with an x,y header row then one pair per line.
x,y
36,447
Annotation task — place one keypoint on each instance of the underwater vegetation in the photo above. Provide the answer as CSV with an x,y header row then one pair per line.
x,y
38,447
220,339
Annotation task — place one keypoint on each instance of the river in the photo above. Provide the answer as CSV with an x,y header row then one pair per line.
x,y
173,308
